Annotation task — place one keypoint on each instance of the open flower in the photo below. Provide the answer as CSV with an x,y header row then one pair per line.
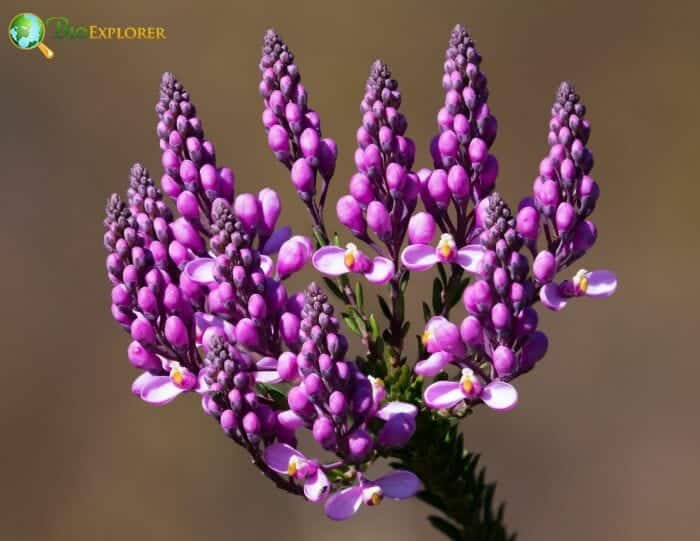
x,y
285,459
399,485
335,261
420,257
161,390
597,283
497,395
400,424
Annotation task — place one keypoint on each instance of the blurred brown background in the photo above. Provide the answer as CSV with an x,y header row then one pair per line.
x,y
605,442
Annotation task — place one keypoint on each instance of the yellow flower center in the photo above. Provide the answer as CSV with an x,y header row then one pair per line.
x,y
425,338
350,254
375,495
581,280
467,380
446,246
176,373
293,466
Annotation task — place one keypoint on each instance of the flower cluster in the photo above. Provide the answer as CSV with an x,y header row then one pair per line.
x,y
203,291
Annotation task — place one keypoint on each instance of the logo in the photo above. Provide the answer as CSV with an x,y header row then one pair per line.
x,y
27,31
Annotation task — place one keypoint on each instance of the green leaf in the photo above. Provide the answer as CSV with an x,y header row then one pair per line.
x,y
427,314
373,327
318,237
359,297
403,284
350,322
451,531
405,328
442,273
335,289
384,306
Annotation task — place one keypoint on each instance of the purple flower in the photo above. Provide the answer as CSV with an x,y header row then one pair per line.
x,y
400,424
420,257
293,255
399,485
335,261
597,283
160,390
286,460
497,395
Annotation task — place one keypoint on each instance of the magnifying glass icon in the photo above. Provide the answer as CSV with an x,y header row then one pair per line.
x,y
27,31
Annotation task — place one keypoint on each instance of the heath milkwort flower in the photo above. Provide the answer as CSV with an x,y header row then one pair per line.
x,y
397,486
201,284
384,191
293,128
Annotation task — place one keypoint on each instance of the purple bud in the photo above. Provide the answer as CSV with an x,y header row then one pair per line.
x,y
361,188
227,420
421,228
323,431
350,214
458,181
395,176
397,431
309,143
147,301
359,445
438,188
337,403
251,423
257,308
500,316
270,207
121,296
298,401
503,360
327,157
247,333
185,233
176,332
245,208
293,255
528,222
471,331
378,219
448,145
172,297
287,366
544,267
303,177
449,339
187,205
142,331
585,236
289,328
533,350
488,175
565,217
478,151
141,358
227,183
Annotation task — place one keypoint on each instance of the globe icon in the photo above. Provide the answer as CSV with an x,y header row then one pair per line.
x,y
27,31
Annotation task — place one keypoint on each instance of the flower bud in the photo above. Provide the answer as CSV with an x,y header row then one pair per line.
x,y
421,228
503,360
176,332
544,267
350,214
378,219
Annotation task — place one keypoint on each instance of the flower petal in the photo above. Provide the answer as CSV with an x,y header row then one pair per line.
x,y
344,504
469,257
140,382
266,264
397,431
551,297
399,485
397,408
316,486
443,394
382,270
278,237
160,391
267,376
419,257
277,456
201,270
601,283
433,365
500,396
330,260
